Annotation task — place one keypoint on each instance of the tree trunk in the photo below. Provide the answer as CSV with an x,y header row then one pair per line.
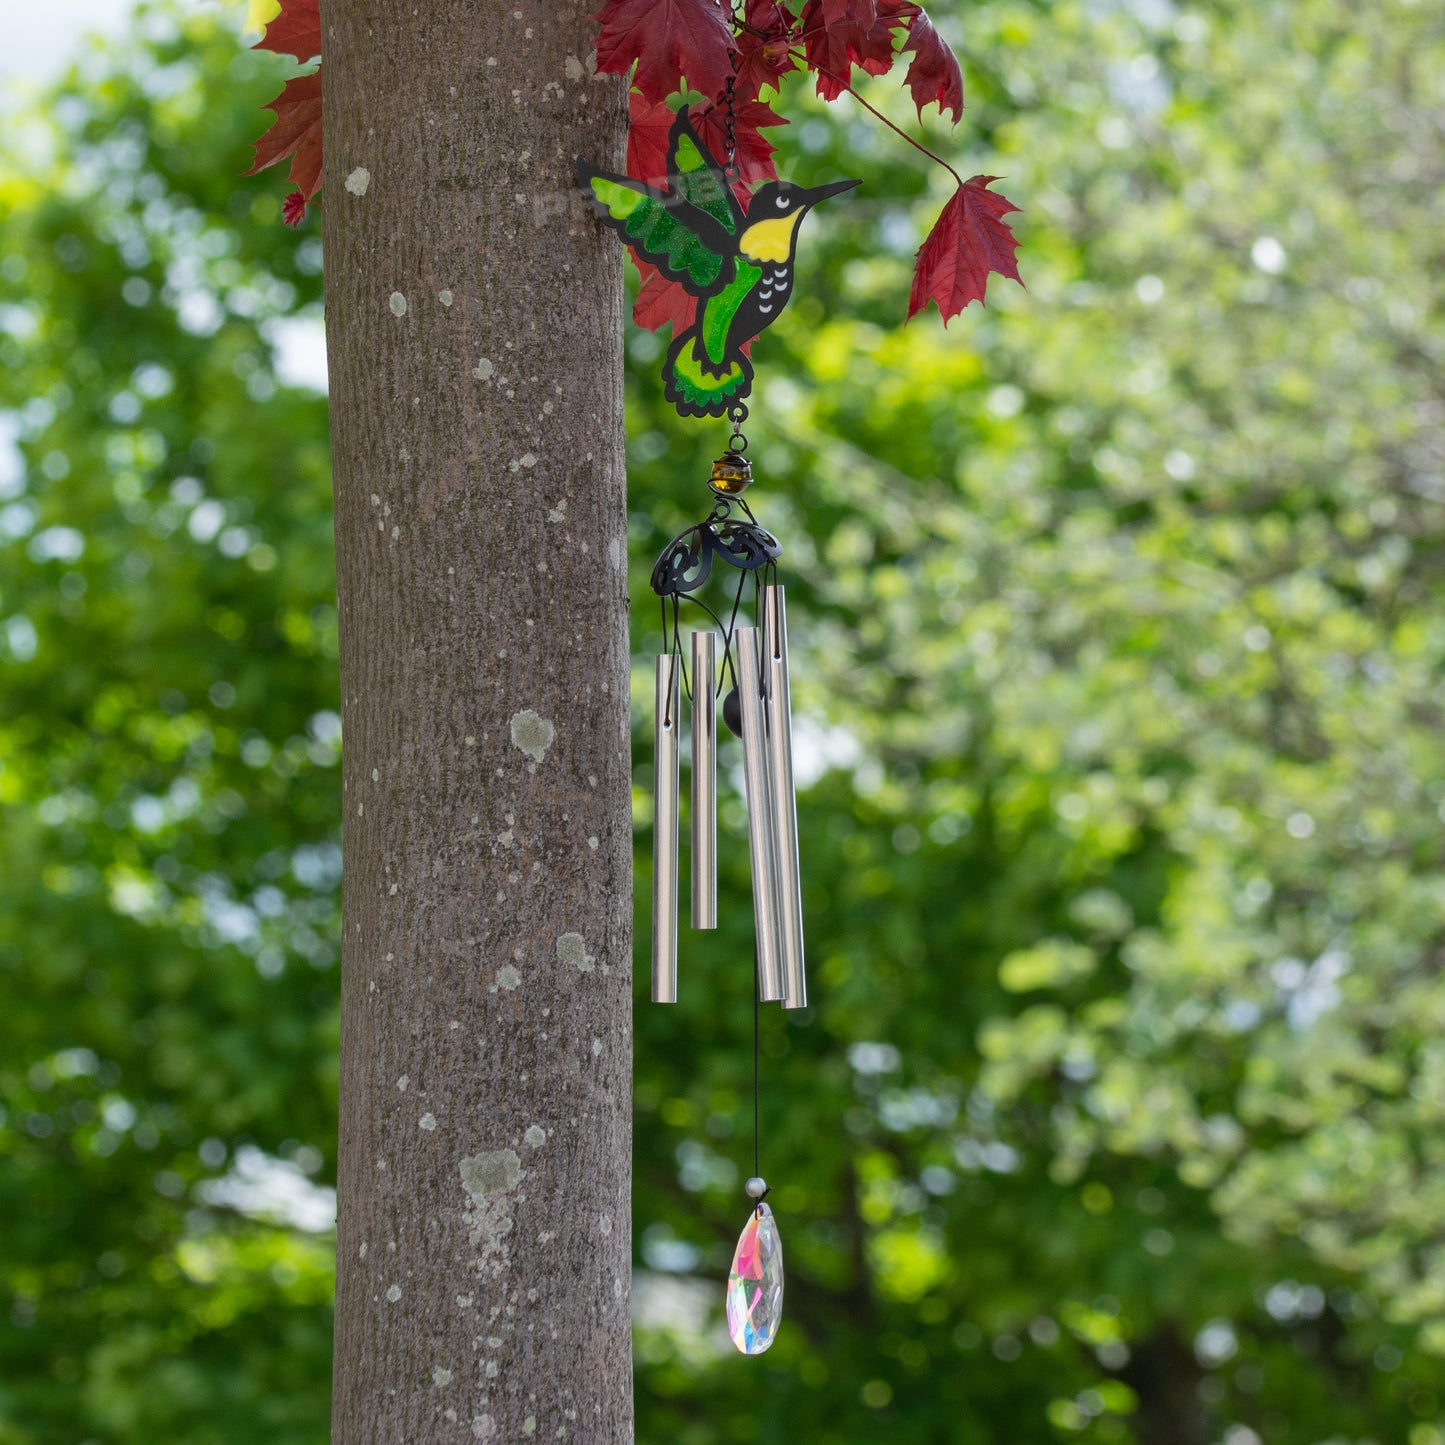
x,y
1164,1373
474,336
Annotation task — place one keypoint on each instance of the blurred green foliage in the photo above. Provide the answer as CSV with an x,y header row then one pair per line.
x,y
1118,1115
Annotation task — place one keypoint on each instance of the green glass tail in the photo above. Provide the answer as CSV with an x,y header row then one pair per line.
x,y
697,387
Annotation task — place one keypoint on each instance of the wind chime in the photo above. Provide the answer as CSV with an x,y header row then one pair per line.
x,y
738,265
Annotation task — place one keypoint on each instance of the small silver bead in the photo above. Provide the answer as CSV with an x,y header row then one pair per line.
x,y
756,1187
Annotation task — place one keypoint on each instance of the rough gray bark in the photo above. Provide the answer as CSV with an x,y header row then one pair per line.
x,y
474,324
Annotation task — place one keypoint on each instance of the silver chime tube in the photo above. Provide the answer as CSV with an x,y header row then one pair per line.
x,y
761,837
704,779
778,708
664,833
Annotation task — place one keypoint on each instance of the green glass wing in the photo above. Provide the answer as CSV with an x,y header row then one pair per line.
x,y
657,232
695,176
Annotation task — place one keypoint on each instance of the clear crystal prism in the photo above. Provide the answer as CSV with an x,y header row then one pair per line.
x,y
755,1284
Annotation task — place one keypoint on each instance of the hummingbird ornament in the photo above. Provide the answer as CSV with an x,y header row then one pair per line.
x,y
736,263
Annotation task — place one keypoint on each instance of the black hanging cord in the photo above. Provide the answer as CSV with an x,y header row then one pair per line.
x,y
729,665
757,985
675,648
672,629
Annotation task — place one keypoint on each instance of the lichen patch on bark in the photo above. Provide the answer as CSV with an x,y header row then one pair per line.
x,y
532,734
489,1180
493,1173
572,949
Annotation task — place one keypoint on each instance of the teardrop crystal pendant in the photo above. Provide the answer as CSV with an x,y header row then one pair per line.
x,y
755,1284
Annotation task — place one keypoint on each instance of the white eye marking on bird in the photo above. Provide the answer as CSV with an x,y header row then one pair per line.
x,y
782,203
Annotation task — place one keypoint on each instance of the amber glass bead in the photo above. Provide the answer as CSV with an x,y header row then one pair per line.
x,y
731,476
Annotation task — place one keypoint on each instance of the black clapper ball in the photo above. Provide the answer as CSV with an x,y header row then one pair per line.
x,y
733,713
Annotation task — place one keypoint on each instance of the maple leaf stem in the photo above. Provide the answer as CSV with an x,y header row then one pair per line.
x,y
874,111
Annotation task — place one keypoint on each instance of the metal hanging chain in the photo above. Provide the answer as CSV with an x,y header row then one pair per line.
x,y
738,441
737,412
730,170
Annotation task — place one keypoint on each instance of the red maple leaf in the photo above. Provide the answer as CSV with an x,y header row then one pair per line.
x,y
754,155
669,39
651,123
857,12
768,17
293,209
840,34
296,133
763,60
651,126
970,240
295,31
661,302
935,74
